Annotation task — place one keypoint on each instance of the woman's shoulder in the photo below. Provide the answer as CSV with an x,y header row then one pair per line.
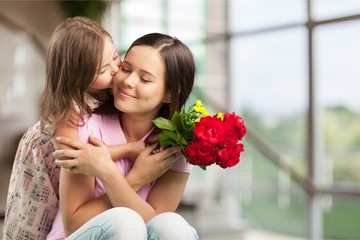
x,y
102,119
102,126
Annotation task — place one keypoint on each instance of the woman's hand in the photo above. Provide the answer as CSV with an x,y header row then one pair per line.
x,y
90,159
150,165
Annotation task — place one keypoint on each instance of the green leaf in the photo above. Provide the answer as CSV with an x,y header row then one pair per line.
x,y
171,135
176,120
164,123
166,143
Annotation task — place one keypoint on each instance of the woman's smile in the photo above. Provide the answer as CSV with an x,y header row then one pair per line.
x,y
125,94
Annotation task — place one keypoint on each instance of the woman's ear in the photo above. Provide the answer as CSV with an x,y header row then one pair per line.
x,y
167,98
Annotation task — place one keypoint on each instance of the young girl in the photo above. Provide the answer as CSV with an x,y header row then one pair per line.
x,y
81,61
154,80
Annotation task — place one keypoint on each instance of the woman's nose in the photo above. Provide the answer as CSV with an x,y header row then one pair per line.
x,y
130,81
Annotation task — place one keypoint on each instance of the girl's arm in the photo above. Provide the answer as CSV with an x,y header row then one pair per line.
x,y
130,150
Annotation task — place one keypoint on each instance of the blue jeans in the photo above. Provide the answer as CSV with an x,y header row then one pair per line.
x,y
123,223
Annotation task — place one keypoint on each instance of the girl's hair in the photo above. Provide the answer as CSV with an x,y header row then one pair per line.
x,y
73,60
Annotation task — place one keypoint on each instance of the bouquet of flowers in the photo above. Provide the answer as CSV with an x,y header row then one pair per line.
x,y
204,139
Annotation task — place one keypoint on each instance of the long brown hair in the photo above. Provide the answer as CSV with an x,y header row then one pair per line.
x,y
73,60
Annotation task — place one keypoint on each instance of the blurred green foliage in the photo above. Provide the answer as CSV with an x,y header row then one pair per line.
x,y
90,9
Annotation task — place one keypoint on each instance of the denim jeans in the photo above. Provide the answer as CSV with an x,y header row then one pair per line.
x,y
123,223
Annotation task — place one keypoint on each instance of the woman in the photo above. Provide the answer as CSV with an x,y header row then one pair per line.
x,y
155,79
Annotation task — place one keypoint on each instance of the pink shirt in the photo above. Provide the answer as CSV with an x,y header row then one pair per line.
x,y
108,130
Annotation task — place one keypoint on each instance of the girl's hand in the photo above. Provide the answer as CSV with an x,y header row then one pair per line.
x,y
90,159
150,165
134,149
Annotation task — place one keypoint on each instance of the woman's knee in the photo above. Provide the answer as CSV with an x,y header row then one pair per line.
x,y
170,225
125,223
125,215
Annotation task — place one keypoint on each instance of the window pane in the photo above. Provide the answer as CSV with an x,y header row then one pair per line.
x,y
268,85
139,18
253,14
143,16
337,58
142,11
325,9
341,218
268,74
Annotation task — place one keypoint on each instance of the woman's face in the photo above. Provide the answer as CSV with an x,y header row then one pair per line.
x,y
139,85
110,64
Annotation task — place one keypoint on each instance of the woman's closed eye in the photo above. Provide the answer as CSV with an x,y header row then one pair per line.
x,y
125,69
145,80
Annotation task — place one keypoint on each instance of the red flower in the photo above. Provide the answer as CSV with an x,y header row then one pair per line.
x,y
229,156
217,141
199,153
235,126
209,129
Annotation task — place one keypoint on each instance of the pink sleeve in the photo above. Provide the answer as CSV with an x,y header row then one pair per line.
x,y
90,127
181,164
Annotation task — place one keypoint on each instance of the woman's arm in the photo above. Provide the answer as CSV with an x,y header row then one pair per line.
x,y
121,191
167,191
76,189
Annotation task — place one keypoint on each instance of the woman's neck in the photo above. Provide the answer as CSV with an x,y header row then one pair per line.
x,y
135,127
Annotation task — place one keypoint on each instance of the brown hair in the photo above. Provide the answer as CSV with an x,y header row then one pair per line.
x,y
73,61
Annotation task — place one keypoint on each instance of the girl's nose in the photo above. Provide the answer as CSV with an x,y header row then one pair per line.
x,y
114,70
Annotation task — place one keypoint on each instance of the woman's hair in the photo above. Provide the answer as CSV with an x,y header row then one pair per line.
x,y
73,60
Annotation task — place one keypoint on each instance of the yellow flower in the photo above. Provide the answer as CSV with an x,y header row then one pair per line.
x,y
198,103
220,115
197,120
204,112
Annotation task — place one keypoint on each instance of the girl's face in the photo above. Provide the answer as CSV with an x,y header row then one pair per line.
x,y
110,63
139,85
